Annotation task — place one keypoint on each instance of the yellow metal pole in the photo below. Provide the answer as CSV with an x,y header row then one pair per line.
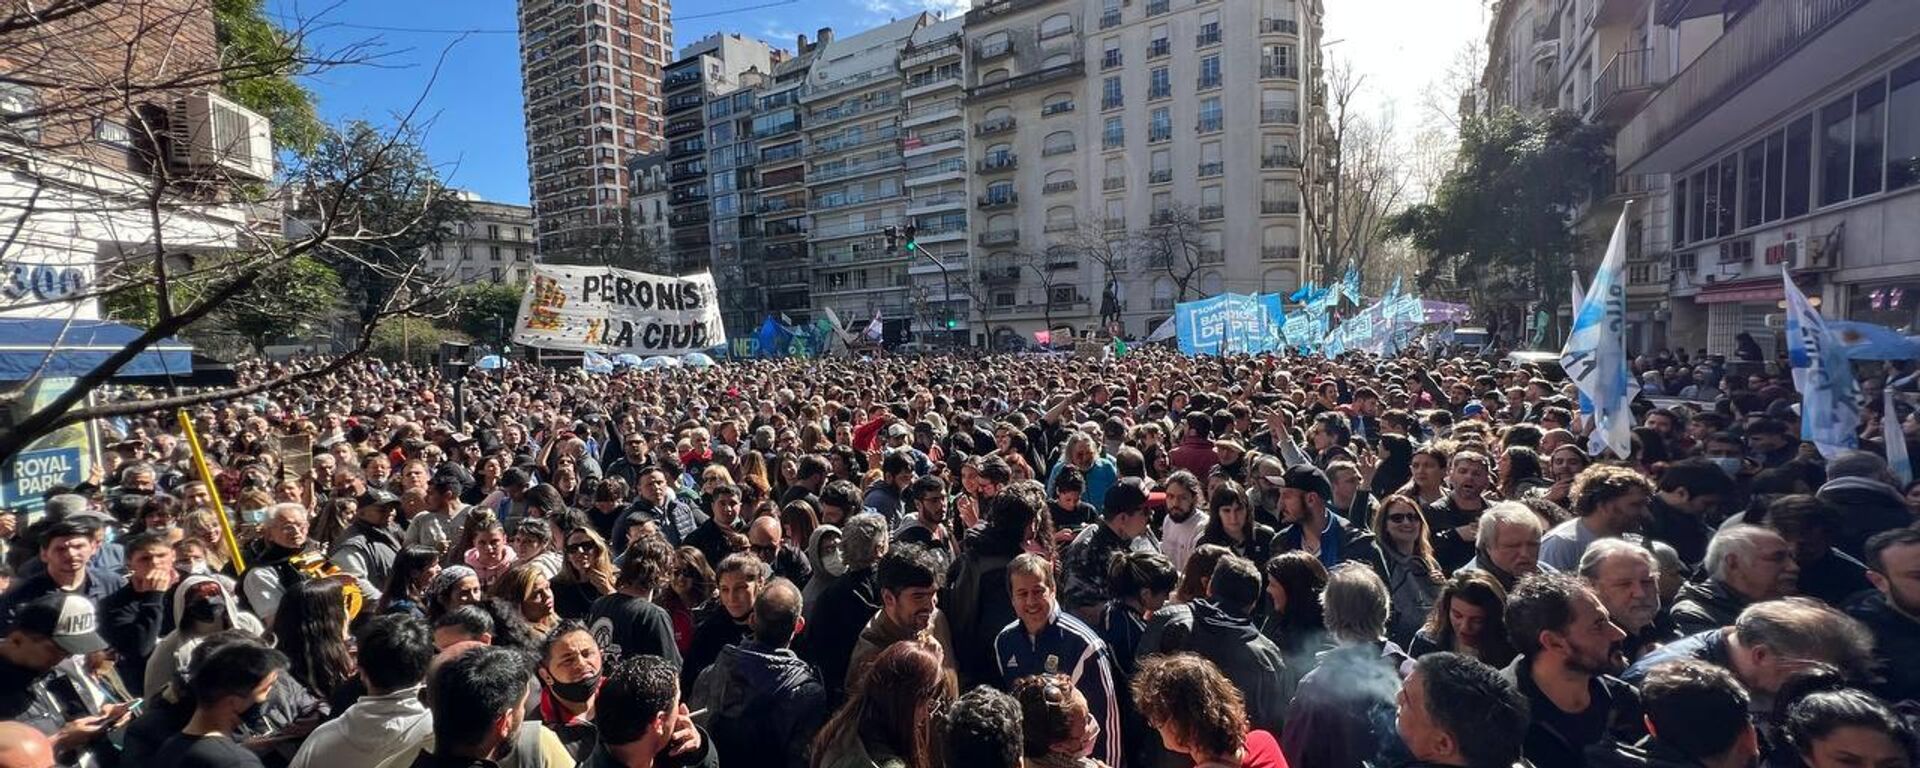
x,y
213,492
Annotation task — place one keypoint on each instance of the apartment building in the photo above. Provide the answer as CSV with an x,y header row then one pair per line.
x,y
1098,122
711,68
1752,137
933,139
782,282
648,211
590,72
494,245
852,105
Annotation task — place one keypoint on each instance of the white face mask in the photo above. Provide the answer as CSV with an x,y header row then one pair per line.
x,y
1728,464
834,564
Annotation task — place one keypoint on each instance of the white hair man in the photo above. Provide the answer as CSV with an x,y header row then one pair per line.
x,y
1745,564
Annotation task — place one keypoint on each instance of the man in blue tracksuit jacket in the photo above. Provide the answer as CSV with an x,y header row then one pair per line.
x,y
1045,640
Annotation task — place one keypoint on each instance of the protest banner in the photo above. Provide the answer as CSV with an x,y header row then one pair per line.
x,y
614,311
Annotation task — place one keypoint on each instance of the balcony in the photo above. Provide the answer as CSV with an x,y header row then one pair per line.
x,y
686,148
781,154
856,80
1157,7
1624,86
780,204
847,170
1210,170
1058,149
1112,59
994,201
1110,19
848,141
1107,103
1158,91
1279,27
925,204
1058,187
848,110
1074,68
1000,271
681,77
1209,125
1211,257
789,228
1001,162
996,237
785,252
923,143
1279,160
1159,48
1208,82
1271,69
1212,212
943,232
1162,176
1207,37
1775,47
1160,134
1056,108
930,82
1280,253
989,50
1609,13
689,217
686,173
930,112
1546,27
1117,182
682,126
945,170
685,101
1279,115
1114,224
930,54
1273,207
997,125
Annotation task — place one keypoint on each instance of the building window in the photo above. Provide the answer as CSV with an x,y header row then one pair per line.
x,y
1114,134
1159,125
1753,183
1111,58
493,253
1869,137
1111,95
112,133
1211,117
1836,151
1210,72
1903,127
1799,165
1056,25
1159,84
1680,187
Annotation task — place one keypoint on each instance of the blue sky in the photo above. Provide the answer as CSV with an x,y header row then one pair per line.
x,y
475,131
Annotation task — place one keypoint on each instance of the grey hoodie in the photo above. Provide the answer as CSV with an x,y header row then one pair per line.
x,y
171,654
368,732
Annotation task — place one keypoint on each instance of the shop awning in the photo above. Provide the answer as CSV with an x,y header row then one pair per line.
x,y
32,347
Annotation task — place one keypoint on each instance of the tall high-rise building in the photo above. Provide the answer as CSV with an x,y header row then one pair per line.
x,y
1132,155
591,73
707,189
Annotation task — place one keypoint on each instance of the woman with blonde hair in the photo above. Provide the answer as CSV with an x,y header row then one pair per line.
x,y
586,573
525,586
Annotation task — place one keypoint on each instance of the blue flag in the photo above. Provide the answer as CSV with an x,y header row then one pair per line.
x,y
1895,437
1866,341
1595,356
1829,396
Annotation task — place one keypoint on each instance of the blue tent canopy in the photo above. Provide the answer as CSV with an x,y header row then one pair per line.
x,y
79,346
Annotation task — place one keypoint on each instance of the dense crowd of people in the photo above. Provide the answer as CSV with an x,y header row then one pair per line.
x,y
947,562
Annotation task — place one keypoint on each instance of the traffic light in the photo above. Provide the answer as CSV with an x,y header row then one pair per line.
x,y
912,243
893,238
951,322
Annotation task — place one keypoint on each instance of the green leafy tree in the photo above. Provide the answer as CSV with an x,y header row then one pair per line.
x,y
259,62
401,197
293,298
1501,218
413,339
486,312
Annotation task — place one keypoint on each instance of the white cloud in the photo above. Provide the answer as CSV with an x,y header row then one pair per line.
x,y
894,9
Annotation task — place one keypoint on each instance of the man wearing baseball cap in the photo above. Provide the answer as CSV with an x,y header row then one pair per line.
x,y
47,630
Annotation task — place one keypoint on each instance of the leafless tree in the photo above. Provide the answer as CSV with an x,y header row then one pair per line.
x,y
1040,264
1172,244
1355,177
99,80
1107,247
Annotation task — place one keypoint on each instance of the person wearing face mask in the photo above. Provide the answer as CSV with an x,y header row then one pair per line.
x,y
283,536
229,688
569,671
1056,725
1687,493
202,606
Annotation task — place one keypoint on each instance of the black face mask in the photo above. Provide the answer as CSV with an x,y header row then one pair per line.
x,y
255,718
576,692
206,612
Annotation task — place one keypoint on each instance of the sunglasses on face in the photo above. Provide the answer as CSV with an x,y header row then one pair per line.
x,y
583,548
1403,517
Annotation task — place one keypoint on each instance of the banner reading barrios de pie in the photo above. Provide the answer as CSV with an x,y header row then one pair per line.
x,y
614,311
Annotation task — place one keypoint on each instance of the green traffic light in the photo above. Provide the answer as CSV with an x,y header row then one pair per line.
x,y
912,246
952,323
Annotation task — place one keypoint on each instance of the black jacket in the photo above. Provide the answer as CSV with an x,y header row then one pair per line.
x,y
714,629
1443,517
131,622
1354,544
1547,746
1649,753
979,605
834,629
1248,658
1896,644
1866,507
1686,533
764,706
1704,605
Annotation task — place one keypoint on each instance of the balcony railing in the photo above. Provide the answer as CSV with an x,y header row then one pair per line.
x,y
1212,212
985,50
1115,224
841,171
1058,149
1157,135
1279,27
1280,252
1279,206
855,79
999,237
998,162
1627,80
1111,59
1767,34
1157,7
1056,108
932,78
1158,48
1160,177
850,141
1279,115
1208,82
923,202
1210,36
1279,160
931,138
1057,187
846,110
1208,170
933,108
1209,125
1110,19
1272,69
930,54
993,200
996,125
1117,182
777,154
1107,102
1210,256
1029,80
955,165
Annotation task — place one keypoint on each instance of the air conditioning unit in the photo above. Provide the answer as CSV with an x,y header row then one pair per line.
x,y
1775,320
208,133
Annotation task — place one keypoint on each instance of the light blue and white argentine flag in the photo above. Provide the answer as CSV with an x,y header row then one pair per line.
x,y
1829,396
1595,356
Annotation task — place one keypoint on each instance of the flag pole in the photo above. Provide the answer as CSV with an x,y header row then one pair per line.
x,y
213,492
